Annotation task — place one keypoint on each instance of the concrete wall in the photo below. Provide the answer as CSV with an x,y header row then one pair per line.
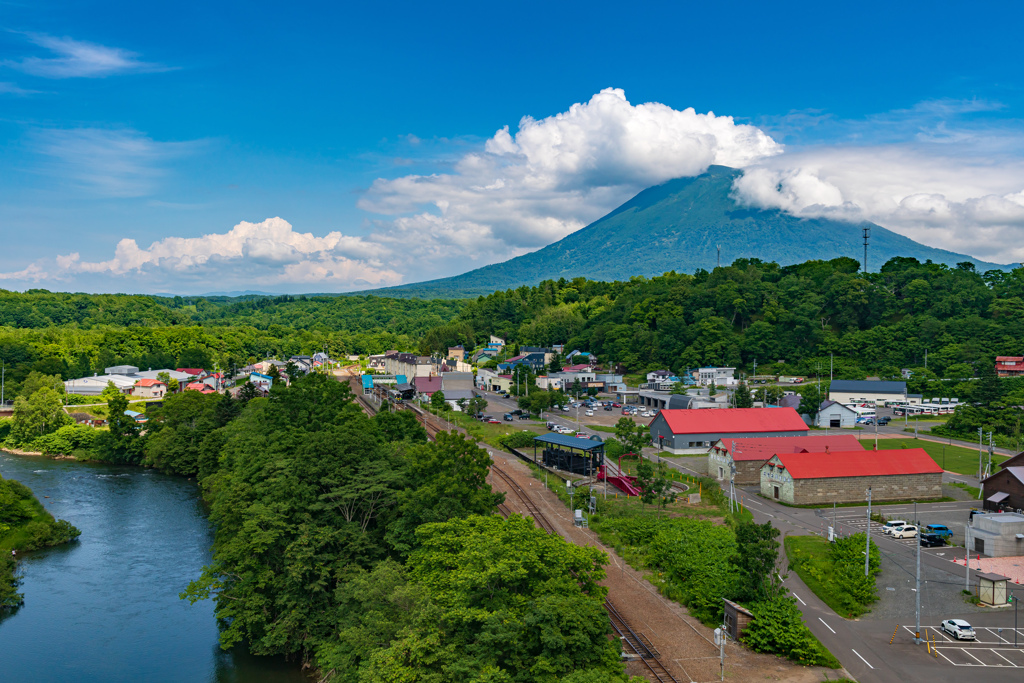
x,y
998,534
847,418
851,489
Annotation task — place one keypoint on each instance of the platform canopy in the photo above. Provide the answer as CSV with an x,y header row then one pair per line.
x,y
566,441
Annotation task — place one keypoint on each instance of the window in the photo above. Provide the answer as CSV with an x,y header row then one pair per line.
x,y
721,473
979,545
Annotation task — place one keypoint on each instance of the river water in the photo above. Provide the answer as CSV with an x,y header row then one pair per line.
x,y
105,607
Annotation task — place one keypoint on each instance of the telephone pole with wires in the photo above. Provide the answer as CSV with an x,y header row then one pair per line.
x,y
867,234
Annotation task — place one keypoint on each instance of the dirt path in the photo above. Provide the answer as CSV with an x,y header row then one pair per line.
x,y
685,645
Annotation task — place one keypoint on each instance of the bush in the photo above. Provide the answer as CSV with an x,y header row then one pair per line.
x,y
778,629
66,440
517,439
10,598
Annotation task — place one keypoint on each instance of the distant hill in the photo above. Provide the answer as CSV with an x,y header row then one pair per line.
x,y
676,226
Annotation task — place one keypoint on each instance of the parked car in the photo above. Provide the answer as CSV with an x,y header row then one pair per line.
x,y
908,531
884,420
507,417
616,405
589,413
932,541
551,426
940,530
892,524
493,421
524,416
959,629
608,408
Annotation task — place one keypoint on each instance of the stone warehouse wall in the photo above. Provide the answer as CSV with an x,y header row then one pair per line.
x,y
853,489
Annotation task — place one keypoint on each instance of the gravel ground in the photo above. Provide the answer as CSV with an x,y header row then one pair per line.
x,y
685,645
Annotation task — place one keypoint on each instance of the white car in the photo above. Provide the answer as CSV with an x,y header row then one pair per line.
x,y
908,531
893,524
590,413
958,628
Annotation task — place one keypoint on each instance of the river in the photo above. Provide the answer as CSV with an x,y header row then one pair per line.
x,y
105,607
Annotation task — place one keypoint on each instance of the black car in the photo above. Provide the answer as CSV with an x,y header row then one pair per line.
x,y
884,420
932,541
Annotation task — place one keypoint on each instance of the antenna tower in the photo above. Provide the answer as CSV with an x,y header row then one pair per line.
x,y
867,234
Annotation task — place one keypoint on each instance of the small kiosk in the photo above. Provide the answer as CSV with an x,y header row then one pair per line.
x,y
992,589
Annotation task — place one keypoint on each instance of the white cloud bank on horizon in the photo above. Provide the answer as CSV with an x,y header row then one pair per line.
x,y
958,190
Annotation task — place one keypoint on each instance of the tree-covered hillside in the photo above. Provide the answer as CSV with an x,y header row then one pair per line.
x,y
874,323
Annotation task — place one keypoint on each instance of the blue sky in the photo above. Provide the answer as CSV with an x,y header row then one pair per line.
x,y
144,146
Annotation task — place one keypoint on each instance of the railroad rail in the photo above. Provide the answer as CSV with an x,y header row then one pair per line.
x,y
639,644
531,507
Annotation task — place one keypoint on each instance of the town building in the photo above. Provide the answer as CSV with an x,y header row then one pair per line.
x,y
866,391
711,376
426,386
999,534
533,360
408,364
835,415
823,478
748,455
485,354
261,381
691,432
457,352
1004,489
549,382
149,388
461,381
1010,366
204,389
124,377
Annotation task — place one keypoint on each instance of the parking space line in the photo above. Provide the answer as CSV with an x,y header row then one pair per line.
x,y
968,653
995,633
858,654
948,659
1003,658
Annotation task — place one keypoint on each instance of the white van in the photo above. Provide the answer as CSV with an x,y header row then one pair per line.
x,y
892,524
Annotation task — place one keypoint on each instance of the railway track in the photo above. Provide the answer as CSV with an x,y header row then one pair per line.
x,y
637,642
640,645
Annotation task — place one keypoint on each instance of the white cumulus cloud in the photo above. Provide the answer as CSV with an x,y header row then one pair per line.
x,y
554,175
960,195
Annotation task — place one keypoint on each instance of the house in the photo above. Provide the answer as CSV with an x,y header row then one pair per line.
x,y
549,382
866,391
691,432
497,342
94,386
1010,366
836,415
426,386
149,388
261,381
204,389
826,477
1004,489
376,362
263,367
197,373
303,364
549,355
453,396
137,416
457,352
658,376
533,360
748,455
500,383
998,535
662,400
714,376
484,355
408,364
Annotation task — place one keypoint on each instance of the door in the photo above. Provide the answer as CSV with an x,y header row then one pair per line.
x,y
776,492
979,545
721,473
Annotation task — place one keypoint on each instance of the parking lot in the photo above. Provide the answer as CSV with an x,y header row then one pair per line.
x,y
993,648
953,515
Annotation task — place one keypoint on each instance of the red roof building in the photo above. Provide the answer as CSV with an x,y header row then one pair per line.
x,y
1010,366
692,432
827,477
149,388
195,372
200,387
747,455
426,386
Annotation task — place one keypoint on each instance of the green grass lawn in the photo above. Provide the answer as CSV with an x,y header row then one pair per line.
x,y
490,433
808,557
952,458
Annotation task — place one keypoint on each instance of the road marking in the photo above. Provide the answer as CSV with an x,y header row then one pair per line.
x,y
804,604
1000,656
946,658
995,633
858,654
968,653
828,627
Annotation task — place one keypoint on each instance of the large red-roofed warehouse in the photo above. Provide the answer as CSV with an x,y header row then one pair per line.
x,y
749,454
844,476
692,432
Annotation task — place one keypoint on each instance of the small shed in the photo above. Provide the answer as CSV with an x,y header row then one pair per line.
x,y
992,589
737,618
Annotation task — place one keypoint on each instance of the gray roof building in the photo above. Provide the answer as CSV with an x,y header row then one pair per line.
x,y
870,386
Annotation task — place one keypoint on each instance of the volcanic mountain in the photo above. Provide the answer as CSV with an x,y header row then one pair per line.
x,y
679,226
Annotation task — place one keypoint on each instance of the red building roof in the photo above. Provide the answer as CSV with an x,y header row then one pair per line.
x,y
426,385
147,382
576,368
190,371
1004,359
762,449
858,463
199,386
732,420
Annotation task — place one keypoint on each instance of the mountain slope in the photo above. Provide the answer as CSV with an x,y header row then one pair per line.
x,y
676,226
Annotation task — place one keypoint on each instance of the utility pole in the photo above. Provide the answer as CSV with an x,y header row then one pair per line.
x,y
980,451
867,545
967,557
917,596
867,234
719,246
830,366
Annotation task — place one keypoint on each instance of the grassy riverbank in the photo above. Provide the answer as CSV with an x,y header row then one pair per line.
x,y
24,525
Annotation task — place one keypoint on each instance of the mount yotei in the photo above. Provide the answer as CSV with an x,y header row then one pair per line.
x,y
679,226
